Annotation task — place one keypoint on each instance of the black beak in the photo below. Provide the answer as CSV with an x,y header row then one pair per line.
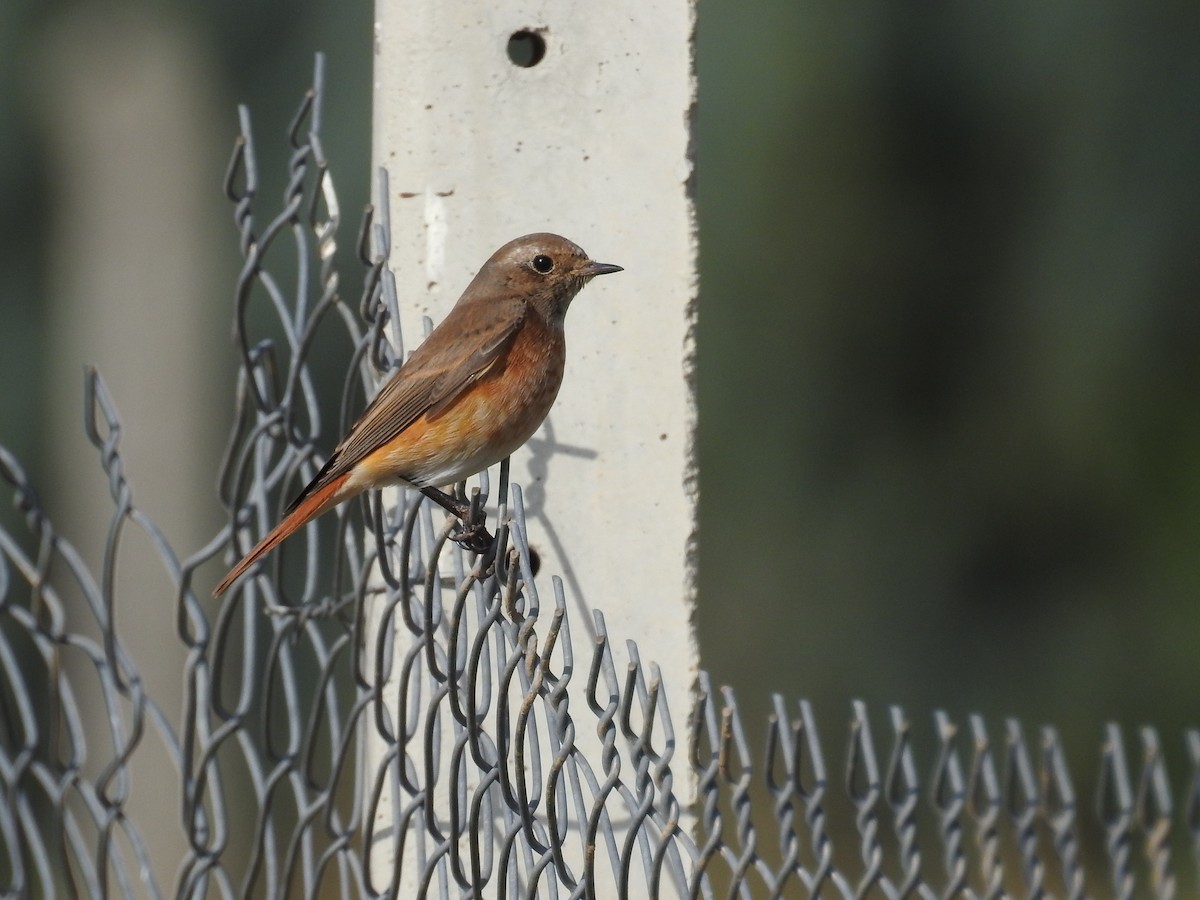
x,y
590,268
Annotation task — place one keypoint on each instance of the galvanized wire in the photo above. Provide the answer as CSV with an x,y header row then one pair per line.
x,y
356,720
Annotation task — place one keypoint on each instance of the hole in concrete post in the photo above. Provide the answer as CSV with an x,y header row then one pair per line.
x,y
526,48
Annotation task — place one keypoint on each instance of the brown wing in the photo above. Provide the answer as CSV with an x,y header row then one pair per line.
x,y
432,377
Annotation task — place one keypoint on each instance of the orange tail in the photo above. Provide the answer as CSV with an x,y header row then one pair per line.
x,y
308,509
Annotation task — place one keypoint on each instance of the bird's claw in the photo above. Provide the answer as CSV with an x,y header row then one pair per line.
x,y
474,536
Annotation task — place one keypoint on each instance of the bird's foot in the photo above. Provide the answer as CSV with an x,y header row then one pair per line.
x,y
472,534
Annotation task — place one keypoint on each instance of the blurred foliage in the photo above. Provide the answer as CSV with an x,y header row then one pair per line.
x,y
949,321
948,368
257,54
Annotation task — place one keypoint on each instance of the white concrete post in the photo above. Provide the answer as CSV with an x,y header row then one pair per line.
x,y
592,142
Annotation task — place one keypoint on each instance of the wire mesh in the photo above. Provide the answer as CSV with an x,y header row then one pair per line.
x,y
359,723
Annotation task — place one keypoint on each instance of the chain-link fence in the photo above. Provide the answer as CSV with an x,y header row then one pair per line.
x,y
384,713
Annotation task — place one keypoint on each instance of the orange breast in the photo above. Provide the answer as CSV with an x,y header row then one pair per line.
x,y
489,420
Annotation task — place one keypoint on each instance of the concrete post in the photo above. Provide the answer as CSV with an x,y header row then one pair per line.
x,y
591,141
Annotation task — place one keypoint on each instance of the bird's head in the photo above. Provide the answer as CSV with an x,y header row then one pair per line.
x,y
546,268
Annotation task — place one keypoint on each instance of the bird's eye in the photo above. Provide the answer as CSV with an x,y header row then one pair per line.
x,y
542,264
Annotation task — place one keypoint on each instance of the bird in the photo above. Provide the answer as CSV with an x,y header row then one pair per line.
x,y
473,392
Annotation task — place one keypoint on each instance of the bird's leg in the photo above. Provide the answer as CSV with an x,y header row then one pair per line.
x,y
474,536
448,502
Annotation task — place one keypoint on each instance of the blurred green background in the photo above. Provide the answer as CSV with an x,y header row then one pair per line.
x,y
949,380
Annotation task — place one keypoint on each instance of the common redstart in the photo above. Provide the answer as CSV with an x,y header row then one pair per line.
x,y
477,389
